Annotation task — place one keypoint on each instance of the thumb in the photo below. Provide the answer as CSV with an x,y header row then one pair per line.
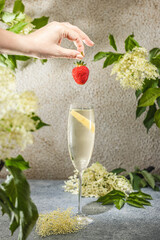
x,y
68,53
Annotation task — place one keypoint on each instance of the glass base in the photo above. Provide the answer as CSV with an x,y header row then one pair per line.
x,y
83,219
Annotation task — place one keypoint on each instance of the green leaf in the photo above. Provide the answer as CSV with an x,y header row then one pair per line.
x,y
136,182
100,55
114,194
107,201
149,97
134,203
158,101
8,17
18,6
6,204
149,83
39,122
17,189
138,93
17,27
149,120
143,183
139,200
131,178
1,164
130,43
112,42
11,62
154,57
43,61
156,177
140,194
2,61
2,4
156,61
40,22
153,52
157,118
21,58
118,170
139,111
149,178
111,58
119,203
17,162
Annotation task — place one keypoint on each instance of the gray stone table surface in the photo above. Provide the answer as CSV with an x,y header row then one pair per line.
x,y
109,223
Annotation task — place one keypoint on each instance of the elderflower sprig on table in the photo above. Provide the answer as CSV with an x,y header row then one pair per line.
x,y
139,70
96,182
58,222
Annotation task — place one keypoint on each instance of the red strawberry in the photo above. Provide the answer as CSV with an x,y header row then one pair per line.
x,y
80,73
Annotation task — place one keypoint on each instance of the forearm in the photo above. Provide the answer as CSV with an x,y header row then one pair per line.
x,y
11,43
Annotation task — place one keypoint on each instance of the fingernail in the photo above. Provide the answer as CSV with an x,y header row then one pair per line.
x,y
80,56
92,42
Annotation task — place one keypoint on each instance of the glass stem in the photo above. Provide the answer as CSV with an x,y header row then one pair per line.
x,y
80,193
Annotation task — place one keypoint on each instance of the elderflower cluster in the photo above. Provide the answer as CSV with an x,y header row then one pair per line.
x,y
29,27
133,68
16,109
58,222
96,182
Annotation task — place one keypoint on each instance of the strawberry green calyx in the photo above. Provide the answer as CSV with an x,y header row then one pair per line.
x,y
80,63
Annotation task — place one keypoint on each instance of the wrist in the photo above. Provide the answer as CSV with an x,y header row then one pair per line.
x,y
24,45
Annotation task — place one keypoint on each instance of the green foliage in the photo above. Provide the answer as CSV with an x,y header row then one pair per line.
x,y
112,58
118,170
141,178
130,43
15,198
139,111
148,98
18,6
149,119
17,27
157,118
112,42
40,22
154,57
2,4
100,55
39,123
118,198
18,162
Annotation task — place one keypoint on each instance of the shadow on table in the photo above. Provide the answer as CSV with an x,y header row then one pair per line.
x,y
95,208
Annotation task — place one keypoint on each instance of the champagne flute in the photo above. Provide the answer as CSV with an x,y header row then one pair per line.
x,y
81,134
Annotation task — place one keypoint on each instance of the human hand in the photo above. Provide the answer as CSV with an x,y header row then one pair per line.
x,y
45,42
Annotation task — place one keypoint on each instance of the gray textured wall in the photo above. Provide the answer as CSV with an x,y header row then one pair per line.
x,y
120,139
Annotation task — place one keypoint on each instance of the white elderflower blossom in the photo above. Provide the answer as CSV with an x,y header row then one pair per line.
x,y
133,68
29,27
16,123
96,182
7,81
